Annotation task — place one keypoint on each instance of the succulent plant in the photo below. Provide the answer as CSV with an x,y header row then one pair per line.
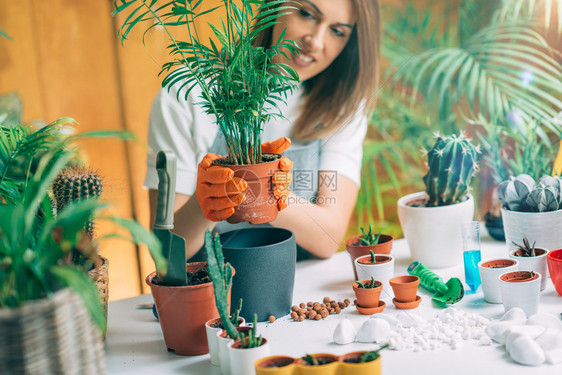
x,y
452,163
372,355
522,194
253,340
526,249
372,284
369,238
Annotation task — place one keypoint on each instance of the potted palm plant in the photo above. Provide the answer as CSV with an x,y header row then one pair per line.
x,y
531,209
241,86
431,220
366,242
41,287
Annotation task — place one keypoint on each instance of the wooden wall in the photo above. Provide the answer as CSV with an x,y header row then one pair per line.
x,y
65,59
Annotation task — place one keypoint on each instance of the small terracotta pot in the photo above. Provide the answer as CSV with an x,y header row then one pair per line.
x,y
260,205
355,251
554,259
183,312
330,368
358,368
520,289
279,365
490,271
536,263
405,287
367,297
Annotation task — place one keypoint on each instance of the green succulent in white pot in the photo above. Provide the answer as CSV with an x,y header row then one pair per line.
x,y
39,285
533,209
431,220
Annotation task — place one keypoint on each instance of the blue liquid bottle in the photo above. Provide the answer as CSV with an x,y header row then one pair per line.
x,y
471,254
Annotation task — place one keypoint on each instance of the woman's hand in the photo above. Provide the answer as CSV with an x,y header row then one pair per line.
x,y
217,190
281,180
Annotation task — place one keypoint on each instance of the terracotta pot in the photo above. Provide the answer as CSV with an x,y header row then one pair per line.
x,y
223,340
405,287
212,341
260,205
242,359
536,263
367,297
554,259
183,312
490,271
355,251
354,368
279,365
330,368
520,289
382,270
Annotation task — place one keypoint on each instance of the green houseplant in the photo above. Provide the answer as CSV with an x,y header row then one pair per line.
x,y
481,66
240,85
431,220
40,286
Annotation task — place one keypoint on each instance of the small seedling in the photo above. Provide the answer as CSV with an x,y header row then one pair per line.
x,y
369,238
252,340
310,360
526,249
373,258
372,355
236,314
370,285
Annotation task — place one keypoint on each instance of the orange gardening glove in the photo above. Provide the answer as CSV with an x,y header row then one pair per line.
x,y
218,191
281,180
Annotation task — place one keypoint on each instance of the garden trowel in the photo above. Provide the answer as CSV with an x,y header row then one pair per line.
x,y
450,292
173,246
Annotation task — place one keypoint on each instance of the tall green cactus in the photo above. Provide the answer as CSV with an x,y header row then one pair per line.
x,y
75,184
452,163
221,276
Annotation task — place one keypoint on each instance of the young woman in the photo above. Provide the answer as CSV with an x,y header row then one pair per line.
x,y
325,118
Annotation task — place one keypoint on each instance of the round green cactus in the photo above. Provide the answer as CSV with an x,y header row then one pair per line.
x,y
452,164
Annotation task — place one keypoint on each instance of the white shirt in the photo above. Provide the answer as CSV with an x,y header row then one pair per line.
x,y
183,128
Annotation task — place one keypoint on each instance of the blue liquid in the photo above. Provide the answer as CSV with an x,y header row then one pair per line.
x,y
471,274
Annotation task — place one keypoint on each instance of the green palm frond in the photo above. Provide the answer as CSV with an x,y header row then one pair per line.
x,y
541,10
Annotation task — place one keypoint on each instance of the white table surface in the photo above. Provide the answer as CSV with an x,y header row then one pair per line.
x,y
135,344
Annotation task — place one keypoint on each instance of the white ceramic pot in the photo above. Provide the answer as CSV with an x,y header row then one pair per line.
x,y
242,360
382,272
434,233
536,264
490,271
224,360
522,294
543,227
212,339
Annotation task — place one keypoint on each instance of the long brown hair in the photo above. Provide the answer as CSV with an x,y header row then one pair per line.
x,y
333,96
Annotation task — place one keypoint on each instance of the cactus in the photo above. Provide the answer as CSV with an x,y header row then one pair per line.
x,y
369,238
221,276
542,198
371,285
526,249
75,184
452,163
514,192
253,340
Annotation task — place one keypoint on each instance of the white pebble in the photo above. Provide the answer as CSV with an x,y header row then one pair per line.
x,y
394,323
526,351
374,330
554,356
550,339
344,332
484,341
545,320
515,313
531,331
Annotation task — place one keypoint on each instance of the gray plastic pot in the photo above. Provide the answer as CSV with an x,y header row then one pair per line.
x,y
265,260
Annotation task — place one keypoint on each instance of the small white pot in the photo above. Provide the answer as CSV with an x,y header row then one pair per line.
x,y
382,272
536,264
522,294
224,360
490,277
434,233
242,360
212,339
543,227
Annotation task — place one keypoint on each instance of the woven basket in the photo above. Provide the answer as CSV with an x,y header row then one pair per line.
x,y
50,336
100,275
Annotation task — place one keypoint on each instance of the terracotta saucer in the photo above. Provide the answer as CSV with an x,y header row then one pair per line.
x,y
371,310
407,305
